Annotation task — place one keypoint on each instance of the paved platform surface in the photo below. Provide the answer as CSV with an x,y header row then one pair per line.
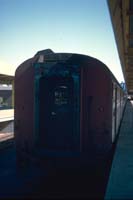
x,y
120,184
6,115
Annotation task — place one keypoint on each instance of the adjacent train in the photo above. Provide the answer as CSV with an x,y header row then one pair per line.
x,y
68,108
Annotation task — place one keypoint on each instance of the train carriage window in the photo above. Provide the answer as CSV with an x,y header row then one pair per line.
x,y
61,95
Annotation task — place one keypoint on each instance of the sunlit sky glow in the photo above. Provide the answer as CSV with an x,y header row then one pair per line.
x,y
76,26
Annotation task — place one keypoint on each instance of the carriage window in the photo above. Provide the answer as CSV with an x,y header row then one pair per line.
x,y
61,95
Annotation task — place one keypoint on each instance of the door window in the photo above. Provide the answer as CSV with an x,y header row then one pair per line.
x,y
61,95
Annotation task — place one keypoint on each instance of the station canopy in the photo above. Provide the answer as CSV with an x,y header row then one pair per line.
x,y
6,79
121,12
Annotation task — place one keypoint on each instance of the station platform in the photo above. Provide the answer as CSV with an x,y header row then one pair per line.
x,y
120,183
6,133
6,126
6,115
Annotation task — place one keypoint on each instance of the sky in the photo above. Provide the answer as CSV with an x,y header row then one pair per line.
x,y
74,26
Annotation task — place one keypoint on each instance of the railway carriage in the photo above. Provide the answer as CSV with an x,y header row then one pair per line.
x,y
68,108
